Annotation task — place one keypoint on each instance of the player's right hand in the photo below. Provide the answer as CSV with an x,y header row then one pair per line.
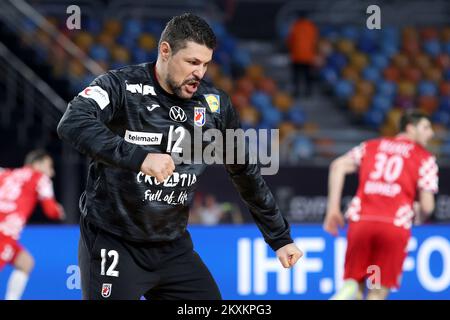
x,y
333,220
289,255
158,165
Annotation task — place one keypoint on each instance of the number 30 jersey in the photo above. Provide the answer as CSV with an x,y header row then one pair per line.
x,y
391,172
125,114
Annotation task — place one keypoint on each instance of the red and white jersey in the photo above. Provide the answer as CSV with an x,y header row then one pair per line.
x,y
391,171
20,190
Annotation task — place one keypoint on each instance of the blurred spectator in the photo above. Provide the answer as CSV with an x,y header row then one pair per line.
x,y
231,214
302,44
194,216
207,211
211,213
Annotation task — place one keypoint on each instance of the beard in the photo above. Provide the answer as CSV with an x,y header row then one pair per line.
x,y
177,88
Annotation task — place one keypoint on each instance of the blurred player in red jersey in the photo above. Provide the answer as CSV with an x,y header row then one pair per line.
x,y
20,190
393,173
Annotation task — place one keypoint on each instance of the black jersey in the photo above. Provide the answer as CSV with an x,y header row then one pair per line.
x,y
125,114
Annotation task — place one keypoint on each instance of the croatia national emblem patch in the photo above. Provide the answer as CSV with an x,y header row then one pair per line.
x,y
106,290
199,116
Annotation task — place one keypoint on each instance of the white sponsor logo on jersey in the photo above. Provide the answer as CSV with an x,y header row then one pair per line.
x,y
97,94
143,138
143,89
382,188
176,179
177,114
153,107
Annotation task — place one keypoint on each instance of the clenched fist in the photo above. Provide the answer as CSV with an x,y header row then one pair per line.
x,y
289,255
158,165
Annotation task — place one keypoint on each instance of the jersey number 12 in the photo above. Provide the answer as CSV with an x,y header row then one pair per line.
x,y
176,147
111,272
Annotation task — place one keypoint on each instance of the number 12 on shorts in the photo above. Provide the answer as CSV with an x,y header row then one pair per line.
x,y
111,272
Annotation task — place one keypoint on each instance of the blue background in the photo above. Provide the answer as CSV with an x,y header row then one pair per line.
x,y
55,251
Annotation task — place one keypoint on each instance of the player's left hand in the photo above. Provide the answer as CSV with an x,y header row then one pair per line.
x,y
333,220
289,255
62,216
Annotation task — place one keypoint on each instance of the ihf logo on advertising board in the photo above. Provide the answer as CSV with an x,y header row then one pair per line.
x,y
319,272
262,275
248,268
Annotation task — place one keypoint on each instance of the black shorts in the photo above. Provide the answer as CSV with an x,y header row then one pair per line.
x,y
113,268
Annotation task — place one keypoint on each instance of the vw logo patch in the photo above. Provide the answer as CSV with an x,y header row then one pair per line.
x,y
177,114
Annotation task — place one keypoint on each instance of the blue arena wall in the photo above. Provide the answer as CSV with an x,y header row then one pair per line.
x,y
244,266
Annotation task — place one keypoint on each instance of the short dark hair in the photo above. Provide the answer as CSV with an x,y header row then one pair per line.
x,y
187,27
411,117
35,156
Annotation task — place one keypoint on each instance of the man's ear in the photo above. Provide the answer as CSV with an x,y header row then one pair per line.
x,y
410,128
165,50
